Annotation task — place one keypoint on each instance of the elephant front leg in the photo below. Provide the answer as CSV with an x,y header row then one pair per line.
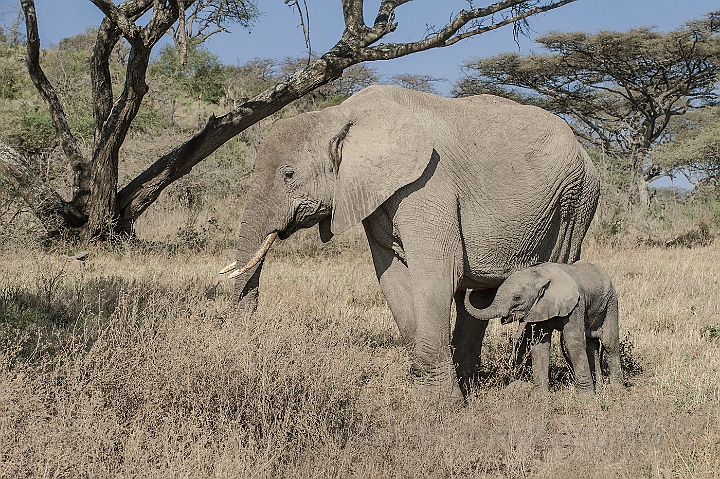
x,y
468,336
575,343
432,298
540,353
396,286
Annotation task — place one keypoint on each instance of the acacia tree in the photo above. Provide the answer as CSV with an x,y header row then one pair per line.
x,y
695,151
98,206
618,90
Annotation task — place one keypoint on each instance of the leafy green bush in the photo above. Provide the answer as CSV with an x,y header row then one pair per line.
x,y
32,130
201,78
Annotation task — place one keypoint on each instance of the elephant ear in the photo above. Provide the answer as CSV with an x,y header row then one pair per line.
x,y
559,296
374,156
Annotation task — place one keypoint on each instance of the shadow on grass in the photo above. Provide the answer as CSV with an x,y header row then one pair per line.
x,y
43,320
499,369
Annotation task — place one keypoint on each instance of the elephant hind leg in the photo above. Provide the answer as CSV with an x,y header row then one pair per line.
x,y
575,342
593,354
609,335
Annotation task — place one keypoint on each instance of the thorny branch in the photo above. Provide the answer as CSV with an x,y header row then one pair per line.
x,y
304,15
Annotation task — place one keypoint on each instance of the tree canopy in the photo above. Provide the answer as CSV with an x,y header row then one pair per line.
x,y
100,205
618,90
694,151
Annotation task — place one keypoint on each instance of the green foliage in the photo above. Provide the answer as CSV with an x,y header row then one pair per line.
x,y
10,74
201,78
33,131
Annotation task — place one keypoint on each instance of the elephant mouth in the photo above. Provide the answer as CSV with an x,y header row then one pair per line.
x,y
305,216
512,317
289,230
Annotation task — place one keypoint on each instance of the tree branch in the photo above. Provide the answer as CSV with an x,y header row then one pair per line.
x,y
137,195
78,162
116,15
449,35
45,202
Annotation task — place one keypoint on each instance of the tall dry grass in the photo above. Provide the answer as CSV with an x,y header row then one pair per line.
x,y
132,366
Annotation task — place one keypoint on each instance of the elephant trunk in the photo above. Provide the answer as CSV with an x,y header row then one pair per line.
x,y
492,311
255,238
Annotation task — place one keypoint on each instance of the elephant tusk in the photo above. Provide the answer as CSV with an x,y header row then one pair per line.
x,y
257,257
228,268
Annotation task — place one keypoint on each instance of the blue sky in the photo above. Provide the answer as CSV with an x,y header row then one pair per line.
x,y
277,34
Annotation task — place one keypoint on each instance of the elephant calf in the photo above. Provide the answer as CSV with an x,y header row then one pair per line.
x,y
577,299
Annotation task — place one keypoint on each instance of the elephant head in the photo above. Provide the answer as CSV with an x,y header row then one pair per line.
x,y
531,295
333,168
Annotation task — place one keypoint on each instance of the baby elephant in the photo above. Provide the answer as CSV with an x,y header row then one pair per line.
x,y
577,299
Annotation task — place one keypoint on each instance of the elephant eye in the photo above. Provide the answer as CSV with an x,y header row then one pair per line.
x,y
517,298
288,174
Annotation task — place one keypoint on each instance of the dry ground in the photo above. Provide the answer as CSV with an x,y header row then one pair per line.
x,y
131,367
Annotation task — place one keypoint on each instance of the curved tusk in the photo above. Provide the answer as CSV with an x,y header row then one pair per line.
x,y
228,268
257,257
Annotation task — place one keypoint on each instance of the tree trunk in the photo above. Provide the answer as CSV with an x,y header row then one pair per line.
x,y
638,189
643,191
102,211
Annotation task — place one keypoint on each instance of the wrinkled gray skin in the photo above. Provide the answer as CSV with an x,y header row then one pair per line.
x,y
579,300
453,194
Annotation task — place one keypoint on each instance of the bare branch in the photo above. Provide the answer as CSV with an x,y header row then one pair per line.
x,y
47,91
304,20
513,19
449,35
45,202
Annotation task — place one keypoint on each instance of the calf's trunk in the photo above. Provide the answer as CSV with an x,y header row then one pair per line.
x,y
492,311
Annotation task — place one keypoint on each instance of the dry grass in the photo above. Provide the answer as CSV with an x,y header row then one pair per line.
x,y
130,366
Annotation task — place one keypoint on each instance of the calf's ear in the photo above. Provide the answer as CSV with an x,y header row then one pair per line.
x,y
557,298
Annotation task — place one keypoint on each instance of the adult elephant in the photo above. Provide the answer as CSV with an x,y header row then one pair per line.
x,y
453,194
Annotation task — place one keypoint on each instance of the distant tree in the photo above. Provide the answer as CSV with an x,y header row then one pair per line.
x,y
416,82
618,90
98,207
694,151
204,18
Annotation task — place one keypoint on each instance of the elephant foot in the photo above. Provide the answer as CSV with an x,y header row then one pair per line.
x,y
468,377
615,385
437,388
584,392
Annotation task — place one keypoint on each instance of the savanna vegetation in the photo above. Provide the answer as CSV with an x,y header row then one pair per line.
x,y
100,205
133,363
